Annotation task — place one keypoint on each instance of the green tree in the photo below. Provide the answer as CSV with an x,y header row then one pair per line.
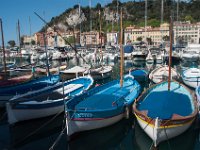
x,y
166,38
11,43
70,40
33,42
189,18
139,38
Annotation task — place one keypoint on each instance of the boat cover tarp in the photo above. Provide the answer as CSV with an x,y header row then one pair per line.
x,y
128,48
163,104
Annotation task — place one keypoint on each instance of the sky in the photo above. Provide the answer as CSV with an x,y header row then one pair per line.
x,y
12,10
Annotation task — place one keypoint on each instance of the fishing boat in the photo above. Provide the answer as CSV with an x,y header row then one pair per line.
x,y
139,74
45,102
102,106
7,92
161,73
101,72
74,72
55,70
9,82
166,109
164,114
191,77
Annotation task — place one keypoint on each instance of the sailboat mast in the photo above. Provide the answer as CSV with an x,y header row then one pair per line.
x,y
18,25
30,30
145,28
170,52
121,52
3,47
100,35
161,21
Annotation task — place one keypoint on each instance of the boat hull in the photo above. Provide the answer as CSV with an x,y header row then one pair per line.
x,y
74,126
159,134
16,114
192,82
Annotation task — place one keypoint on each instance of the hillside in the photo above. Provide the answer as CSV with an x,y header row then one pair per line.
x,y
133,13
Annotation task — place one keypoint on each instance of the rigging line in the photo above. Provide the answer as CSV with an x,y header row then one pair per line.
x,y
74,48
38,129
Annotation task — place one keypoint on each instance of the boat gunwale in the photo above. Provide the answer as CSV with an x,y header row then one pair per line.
x,y
175,119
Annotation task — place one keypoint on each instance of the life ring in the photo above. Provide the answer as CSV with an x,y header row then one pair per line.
x,y
126,113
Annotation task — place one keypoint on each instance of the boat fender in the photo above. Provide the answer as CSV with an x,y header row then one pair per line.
x,y
126,113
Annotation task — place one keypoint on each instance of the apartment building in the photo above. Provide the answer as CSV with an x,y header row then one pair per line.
x,y
152,35
186,33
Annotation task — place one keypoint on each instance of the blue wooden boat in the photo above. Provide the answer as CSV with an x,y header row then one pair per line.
x,y
102,106
163,113
47,101
7,92
139,74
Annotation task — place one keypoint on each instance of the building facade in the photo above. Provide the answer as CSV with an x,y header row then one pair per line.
x,y
112,38
91,38
186,33
153,36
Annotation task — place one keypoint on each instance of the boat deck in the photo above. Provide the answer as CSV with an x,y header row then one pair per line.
x,y
163,104
105,98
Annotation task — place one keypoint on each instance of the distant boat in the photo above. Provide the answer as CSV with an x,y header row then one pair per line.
x,y
8,65
102,106
139,74
9,82
191,77
101,72
164,114
51,70
7,92
45,102
74,72
161,74
149,58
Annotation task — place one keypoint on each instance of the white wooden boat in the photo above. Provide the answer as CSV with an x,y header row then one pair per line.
x,y
161,73
74,72
191,77
45,102
164,114
101,72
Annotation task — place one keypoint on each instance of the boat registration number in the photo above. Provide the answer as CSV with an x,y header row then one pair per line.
x,y
85,115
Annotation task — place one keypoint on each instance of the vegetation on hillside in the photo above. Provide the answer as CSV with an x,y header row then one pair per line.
x,y
133,14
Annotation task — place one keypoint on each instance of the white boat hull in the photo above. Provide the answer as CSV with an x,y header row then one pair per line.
x,y
192,83
74,126
159,134
16,115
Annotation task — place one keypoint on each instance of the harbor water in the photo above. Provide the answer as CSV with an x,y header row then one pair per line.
x,y
41,134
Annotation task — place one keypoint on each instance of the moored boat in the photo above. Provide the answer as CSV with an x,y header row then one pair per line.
x,y
191,77
7,92
139,74
163,113
45,102
161,73
102,106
